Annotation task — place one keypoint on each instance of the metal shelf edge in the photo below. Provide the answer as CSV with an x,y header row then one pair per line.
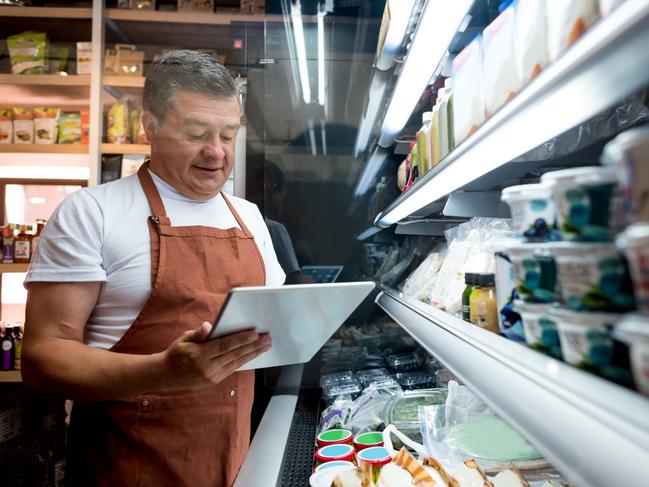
x,y
594,442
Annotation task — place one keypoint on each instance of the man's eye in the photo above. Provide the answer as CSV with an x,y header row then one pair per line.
x,y
194,136
226,139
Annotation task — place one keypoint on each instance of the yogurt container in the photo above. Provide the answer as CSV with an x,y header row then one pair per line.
x,y
372,460
509,321
535,272
629,154
635,245
634,331
334,437
593,277
587,342
331,453
587,202
368,440
533,211
335,464
541,332
324,477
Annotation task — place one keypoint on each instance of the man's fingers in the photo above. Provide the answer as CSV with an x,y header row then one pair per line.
x,y
223,345
245,357
197,335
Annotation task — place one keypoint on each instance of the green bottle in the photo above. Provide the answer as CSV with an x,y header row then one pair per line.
x,y
466,305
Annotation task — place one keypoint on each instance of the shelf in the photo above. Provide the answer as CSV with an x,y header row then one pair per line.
x,y
45,79
44,148
607,64
10,376
125,81
126,149
595,432
5,268
46,12
210,18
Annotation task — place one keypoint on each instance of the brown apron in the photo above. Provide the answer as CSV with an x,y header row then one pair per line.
x,y
188,438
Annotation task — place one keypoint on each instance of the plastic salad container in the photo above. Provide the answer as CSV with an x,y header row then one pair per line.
x,y
403,362
509,320
635,244
415,380
586,203
368,440
403,409
541,331
629,153
634,331
533,211
372,460
535,271
587,343
334,437
331,453
593,277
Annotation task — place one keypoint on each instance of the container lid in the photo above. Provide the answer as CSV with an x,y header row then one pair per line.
x,y
519,248
524,307
593,319
334,452
325,477
603,175
486,280
581,249
632,329
571,173
636,235
335,464
526,192
334,435
369,438
426,117
469,278
377,455
634,138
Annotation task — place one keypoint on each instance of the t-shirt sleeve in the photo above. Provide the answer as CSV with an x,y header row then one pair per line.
x,y
283,247
274,274
69,249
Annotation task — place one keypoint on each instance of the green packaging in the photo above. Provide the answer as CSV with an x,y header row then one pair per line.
x,y
28,52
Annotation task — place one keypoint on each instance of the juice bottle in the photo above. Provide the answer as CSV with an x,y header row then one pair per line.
x,y
23,246
6,348
423,147
473,299
466,295
485,302
18,345
8,244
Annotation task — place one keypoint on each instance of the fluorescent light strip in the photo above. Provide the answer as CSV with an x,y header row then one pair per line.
x,y
314,150
376,95
574,86
372,168
399,18
437,26
290,42
321,57
300,46
323,135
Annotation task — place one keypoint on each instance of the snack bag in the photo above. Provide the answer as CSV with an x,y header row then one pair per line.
x,y
138,136
85,126
117,123
28,52
23,126
46,124
6,126
567,21
70,128
58,59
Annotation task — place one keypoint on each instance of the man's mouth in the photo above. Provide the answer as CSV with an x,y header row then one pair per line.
x,y
209,170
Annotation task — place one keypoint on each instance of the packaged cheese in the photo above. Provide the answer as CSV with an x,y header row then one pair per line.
x,y
567,21
531,41
46,125
6,126
468,97
23,126
501,78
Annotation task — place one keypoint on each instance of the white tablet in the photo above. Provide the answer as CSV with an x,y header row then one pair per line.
x,y
300,319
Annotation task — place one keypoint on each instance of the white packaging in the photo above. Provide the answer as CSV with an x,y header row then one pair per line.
x,y
541,331
634,331
635,244
531,47
533,211
84,57
468,96
46,125
567,21
501,78
23,131
607,6
443,123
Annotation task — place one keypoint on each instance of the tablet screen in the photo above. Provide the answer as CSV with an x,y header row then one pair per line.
x,y
322,273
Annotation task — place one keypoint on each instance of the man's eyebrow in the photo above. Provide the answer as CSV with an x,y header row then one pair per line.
x,y
195,121
233,126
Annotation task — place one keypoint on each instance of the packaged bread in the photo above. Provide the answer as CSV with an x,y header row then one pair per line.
x,y
23,125
468,95
567,21
6,126
46,125
531,40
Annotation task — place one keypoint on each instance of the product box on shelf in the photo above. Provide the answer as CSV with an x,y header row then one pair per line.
x,y
253,6
196,5
84,57
6,126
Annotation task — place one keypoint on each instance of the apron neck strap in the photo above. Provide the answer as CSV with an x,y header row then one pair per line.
x,y
150,191
236,216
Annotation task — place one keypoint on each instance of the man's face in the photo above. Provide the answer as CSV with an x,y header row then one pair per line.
x,y
192,149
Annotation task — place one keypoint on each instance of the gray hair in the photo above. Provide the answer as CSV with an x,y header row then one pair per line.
x,y
185,70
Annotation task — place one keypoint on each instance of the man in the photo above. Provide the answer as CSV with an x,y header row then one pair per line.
x,y
127,278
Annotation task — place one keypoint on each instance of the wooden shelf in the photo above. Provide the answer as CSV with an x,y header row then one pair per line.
x,y
44,148
210,18
126,149
45,79
124,81
4,268
46,12
10,376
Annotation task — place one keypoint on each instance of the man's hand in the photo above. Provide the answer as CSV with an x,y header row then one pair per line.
x,y
193,362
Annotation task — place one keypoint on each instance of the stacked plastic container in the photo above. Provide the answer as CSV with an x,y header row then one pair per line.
x,y
582,264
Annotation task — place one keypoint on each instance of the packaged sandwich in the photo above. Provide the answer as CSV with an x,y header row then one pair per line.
x,y
70,128
46,124
28,52
23,126
6,126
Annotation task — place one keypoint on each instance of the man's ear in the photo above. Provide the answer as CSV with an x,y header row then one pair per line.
x,y
150,124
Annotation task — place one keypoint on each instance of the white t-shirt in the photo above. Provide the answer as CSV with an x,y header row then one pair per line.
x,y
101,234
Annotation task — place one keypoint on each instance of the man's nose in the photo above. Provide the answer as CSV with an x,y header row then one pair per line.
x,y
213,148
